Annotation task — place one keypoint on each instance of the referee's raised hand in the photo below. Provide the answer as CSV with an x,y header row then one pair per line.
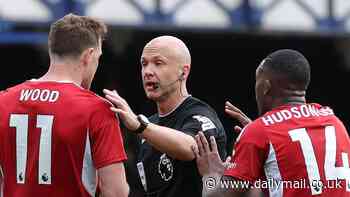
x,y
122,108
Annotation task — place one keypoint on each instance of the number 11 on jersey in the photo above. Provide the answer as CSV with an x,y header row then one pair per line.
x,y
44,122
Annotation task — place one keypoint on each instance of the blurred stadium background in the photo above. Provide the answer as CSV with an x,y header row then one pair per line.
x,y
227,39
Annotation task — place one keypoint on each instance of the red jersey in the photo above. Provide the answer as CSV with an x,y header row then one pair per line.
x,y
294,150
53,137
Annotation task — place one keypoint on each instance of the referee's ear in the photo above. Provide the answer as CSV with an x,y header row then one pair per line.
x,y
185,71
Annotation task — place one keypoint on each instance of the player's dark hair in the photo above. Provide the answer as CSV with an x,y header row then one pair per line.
x,y
291,64
72,34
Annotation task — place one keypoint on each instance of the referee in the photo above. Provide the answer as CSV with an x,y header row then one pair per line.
x,y
166,162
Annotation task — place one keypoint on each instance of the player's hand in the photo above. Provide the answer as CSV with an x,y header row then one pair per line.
x,y
208,160
122,108
237,114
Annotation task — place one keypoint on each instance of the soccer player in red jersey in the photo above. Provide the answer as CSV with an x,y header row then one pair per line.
x,y
293,149
57,138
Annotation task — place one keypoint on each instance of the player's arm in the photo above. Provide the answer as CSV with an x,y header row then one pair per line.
x,y
108,176
170,141
108,151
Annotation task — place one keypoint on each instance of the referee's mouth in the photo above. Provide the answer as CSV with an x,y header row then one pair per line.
x,y
151,86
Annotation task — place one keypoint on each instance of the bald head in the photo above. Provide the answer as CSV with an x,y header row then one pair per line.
x,y
171,47
165,67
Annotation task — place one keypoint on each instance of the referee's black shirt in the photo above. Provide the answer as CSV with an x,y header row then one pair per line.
x,y
164,176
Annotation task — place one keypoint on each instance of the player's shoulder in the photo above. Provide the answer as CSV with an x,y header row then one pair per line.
x,y
254,131
76,94
256,125
4,92
10,90
95,99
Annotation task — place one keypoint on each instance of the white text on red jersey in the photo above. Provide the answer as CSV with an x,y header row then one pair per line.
x,y
44,95
302,111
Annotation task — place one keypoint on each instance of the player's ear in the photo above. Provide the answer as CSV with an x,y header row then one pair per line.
x,y
87,55
266,86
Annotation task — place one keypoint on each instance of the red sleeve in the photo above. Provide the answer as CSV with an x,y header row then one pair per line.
x,y
249,154
106,140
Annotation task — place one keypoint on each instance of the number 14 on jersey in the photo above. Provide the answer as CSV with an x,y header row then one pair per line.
x,y
331,171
